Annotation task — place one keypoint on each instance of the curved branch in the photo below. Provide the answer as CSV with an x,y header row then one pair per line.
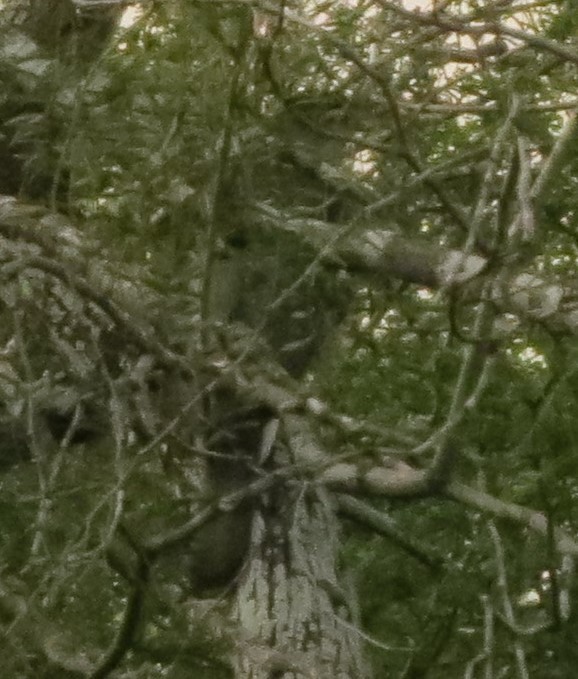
x,y
379,522
530,518
132,613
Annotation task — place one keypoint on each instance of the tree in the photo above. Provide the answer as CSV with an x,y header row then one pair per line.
x,y
288,339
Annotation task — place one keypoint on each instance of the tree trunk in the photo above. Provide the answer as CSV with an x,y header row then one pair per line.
x,y
295,616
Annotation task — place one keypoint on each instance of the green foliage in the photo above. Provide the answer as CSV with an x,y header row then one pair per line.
x,y
192,144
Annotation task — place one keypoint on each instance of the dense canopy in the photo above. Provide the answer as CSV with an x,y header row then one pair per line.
x,y
288,320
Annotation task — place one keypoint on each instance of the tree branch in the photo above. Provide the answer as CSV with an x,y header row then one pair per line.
x,y
534,520
379,522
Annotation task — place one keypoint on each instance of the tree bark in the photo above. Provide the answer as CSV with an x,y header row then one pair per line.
x,y
296,617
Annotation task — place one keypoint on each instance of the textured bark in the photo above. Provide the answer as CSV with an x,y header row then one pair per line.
x,y
296,619
293,616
